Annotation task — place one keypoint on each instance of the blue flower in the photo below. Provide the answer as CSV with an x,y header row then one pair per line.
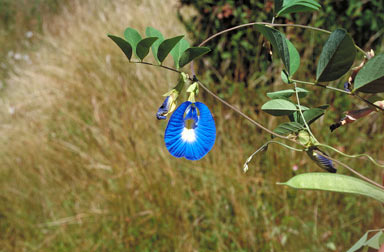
x,y
191,131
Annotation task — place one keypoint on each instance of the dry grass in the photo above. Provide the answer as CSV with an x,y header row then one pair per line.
x,y
84,166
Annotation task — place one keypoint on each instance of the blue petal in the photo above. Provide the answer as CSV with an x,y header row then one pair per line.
x,y
164,108
201,138
325,163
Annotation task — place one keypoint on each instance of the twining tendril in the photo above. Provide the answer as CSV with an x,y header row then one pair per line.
x,y
263,147
352,156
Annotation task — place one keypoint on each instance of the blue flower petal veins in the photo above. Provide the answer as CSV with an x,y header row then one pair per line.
x,y
325,163
191,131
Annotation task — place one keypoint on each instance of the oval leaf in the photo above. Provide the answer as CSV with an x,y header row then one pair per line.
x,y
288,128
152,32
370,79
191,54
337,56
279,43
298,6
166,46
124,45
133,37
294,57
143,46
178,50
279,107
287,93
335,183
310,116
285,77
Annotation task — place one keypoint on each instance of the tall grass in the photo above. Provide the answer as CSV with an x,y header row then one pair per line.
x,y
84,166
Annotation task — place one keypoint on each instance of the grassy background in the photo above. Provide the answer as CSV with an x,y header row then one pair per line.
x,y
84,166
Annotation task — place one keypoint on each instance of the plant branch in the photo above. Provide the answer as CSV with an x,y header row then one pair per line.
x,y
368,102
150,64
245,116
341,91
323,86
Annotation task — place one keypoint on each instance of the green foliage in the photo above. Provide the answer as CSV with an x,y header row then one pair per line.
x,y
143,46
166,47
335,183
310,115
292,6
370,79
375,242
123,44
240,53
152,32
178,50
133,37
279,107
287,93
287,128
191,54
286,51
337,56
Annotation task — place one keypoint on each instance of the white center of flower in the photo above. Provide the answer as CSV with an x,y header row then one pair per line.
x,y
188,135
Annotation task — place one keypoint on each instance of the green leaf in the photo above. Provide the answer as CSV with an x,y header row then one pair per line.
x,y
374,242
178,50
124,45
335,183
284,77
133,37
310,116
288,128
152,32
359,243
279,107
337,56
191,54
143,46
279,43
166,46
325,106
298,6
287,93
370,79
278,6
294,57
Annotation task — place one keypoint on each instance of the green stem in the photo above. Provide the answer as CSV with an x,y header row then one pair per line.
x,y
323,86
150,64
352,156
301,113
339,90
